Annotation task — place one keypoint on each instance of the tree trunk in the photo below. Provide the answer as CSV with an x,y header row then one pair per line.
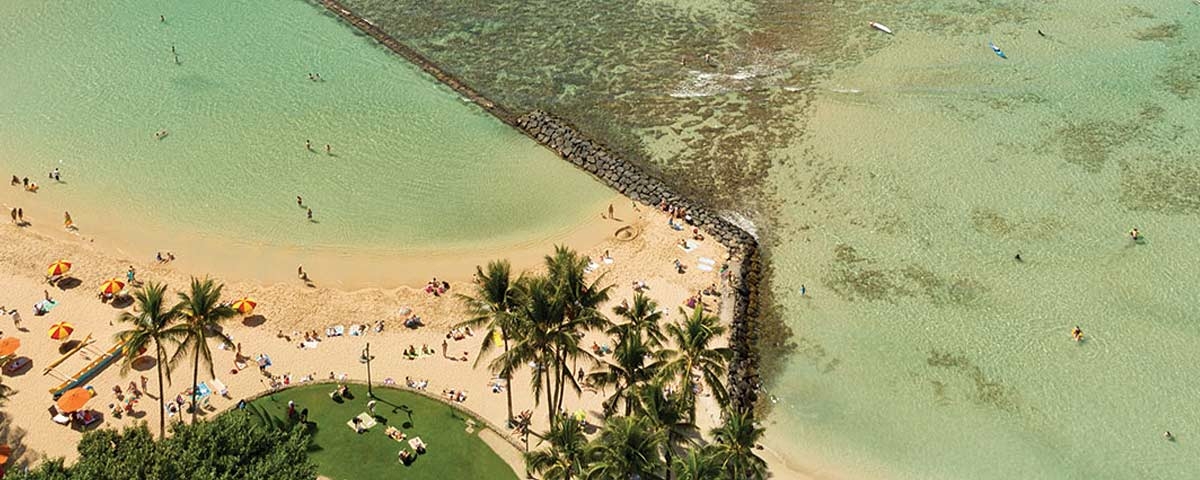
x,y
195,381
667,453
508,382
549,402
162,405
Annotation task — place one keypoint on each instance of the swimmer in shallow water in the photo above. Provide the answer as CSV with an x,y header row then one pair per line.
x,y
1077,333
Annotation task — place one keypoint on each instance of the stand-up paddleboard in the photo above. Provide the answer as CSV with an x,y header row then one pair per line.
x,y
999,53
881,27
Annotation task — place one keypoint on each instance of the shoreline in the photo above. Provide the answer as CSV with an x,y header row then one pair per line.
x,y
343,267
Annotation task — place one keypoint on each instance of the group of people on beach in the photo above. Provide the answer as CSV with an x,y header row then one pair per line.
x,y
437,288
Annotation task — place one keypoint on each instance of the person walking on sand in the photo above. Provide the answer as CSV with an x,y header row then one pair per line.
x,y
610,212
444,347
14,215
300,271
67,223
20,215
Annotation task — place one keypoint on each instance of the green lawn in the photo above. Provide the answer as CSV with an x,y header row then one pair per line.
x,y
342,454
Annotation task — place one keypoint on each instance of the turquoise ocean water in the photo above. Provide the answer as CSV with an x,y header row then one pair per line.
x,y
86,85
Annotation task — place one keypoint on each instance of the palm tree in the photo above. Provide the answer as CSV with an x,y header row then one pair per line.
x,y
580,302
202,314
633,363
566,456
152,325
643,315
697,464
536,316
628,447
490,310
694,355
734,447
668,415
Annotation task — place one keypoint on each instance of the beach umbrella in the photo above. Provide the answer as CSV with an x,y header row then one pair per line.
x,y
5,453
245,305
111,286
9,346
61,330
74,399
58,268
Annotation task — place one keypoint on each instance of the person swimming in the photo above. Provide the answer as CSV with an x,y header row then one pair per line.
x,y
1135,235
310,214
1040,33
1077,333
1169,436
299,200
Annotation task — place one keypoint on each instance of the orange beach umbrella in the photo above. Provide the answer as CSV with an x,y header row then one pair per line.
x,y
61,330
9,346
245,305
5,452
111,286
58,268
74,399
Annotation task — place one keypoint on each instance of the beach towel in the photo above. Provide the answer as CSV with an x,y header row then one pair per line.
x,y
704,267
608,260
591,267
311,344
335,331
367,421
202,390
357,330
707,260
690,246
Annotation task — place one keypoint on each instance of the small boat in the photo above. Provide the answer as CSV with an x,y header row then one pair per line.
x,y
881,27
999,53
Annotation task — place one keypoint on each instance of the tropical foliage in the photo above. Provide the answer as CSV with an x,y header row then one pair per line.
x,y
653,375
230,447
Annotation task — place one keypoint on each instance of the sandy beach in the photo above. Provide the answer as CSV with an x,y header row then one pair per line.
x,y
289,308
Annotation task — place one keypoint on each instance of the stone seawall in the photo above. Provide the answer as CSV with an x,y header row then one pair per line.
x,y
635,183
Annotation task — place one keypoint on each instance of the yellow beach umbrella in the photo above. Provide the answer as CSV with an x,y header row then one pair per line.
x,y
58,268
61,330
111,286
245,305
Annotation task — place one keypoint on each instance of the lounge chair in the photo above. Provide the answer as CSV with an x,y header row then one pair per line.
x,y
220,388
